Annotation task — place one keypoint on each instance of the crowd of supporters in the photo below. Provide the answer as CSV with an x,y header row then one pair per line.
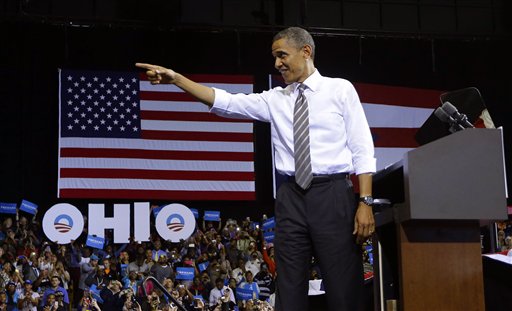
x,y
227,258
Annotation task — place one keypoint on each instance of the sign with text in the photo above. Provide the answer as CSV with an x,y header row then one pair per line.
x,y
184,273
212,215
95,241
7,208
269,223
269,236
28,207
63,222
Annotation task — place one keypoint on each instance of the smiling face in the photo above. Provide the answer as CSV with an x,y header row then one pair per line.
x,y
293,50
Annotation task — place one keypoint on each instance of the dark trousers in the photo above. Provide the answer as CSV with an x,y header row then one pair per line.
x,y
319,222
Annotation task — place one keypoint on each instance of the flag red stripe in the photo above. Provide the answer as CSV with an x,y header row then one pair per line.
x,y
197,136
155,154
231,79
186,116
157,194
398,96
394,137
154,174
166,96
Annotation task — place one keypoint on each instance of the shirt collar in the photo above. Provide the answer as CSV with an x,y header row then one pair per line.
x,y
312,82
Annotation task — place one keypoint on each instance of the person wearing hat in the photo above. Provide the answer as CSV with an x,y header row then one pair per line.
x,y
28,299
12,295
86,269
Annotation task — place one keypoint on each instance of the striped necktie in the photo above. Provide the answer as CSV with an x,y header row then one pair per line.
x,y
303,171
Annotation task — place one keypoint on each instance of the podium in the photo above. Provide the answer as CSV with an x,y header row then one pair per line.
x,y
441,191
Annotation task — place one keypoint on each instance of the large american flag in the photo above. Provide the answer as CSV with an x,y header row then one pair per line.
x,y
394,115
122,138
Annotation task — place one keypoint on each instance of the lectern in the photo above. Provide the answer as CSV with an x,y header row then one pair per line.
x,y
445,188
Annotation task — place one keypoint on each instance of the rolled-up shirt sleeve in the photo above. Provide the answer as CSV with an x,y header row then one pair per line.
x,y
359,138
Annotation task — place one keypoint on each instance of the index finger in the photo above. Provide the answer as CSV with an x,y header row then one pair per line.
x,y
146,66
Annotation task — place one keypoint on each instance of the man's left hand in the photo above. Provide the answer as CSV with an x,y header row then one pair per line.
x,y
364,223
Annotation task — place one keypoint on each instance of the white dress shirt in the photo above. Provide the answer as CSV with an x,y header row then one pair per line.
x,y
340,137
216,293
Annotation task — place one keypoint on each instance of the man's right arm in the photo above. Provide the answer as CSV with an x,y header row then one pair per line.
x,y
161,75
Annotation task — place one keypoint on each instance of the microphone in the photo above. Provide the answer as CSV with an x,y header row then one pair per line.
x,y
460,118
441,114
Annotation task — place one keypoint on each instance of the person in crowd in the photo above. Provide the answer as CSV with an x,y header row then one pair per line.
x,y
268,258
55,287
219,291
157,250
239,272
97,281
61,305
5,274
132,281
232,252
61,272
88,303
197,288
109,270
185,296
87,268
265,282
253,264
249,284
51,303
28,300
12,295
139,266
123,262
161,269
3,300
130,302
29,267
111,295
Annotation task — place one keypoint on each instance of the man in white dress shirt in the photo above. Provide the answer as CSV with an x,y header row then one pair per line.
x,y
315,209
219,291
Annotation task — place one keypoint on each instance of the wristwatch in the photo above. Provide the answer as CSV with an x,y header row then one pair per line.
x,y
368,200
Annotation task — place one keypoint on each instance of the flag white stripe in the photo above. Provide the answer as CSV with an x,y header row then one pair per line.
x,y
388,156
146,164
173,106
174,145
389,116
151,184
171,88
191,126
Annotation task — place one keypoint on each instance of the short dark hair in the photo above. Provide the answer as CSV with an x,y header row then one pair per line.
x,y
297,36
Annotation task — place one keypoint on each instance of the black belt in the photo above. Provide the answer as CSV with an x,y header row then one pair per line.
x,y
321,178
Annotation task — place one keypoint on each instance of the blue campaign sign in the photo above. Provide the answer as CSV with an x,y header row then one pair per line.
x,y
202,266
95,241
28,207
244,294
269,236
7,208
184,273
195,212
269,223
212,215
157,210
